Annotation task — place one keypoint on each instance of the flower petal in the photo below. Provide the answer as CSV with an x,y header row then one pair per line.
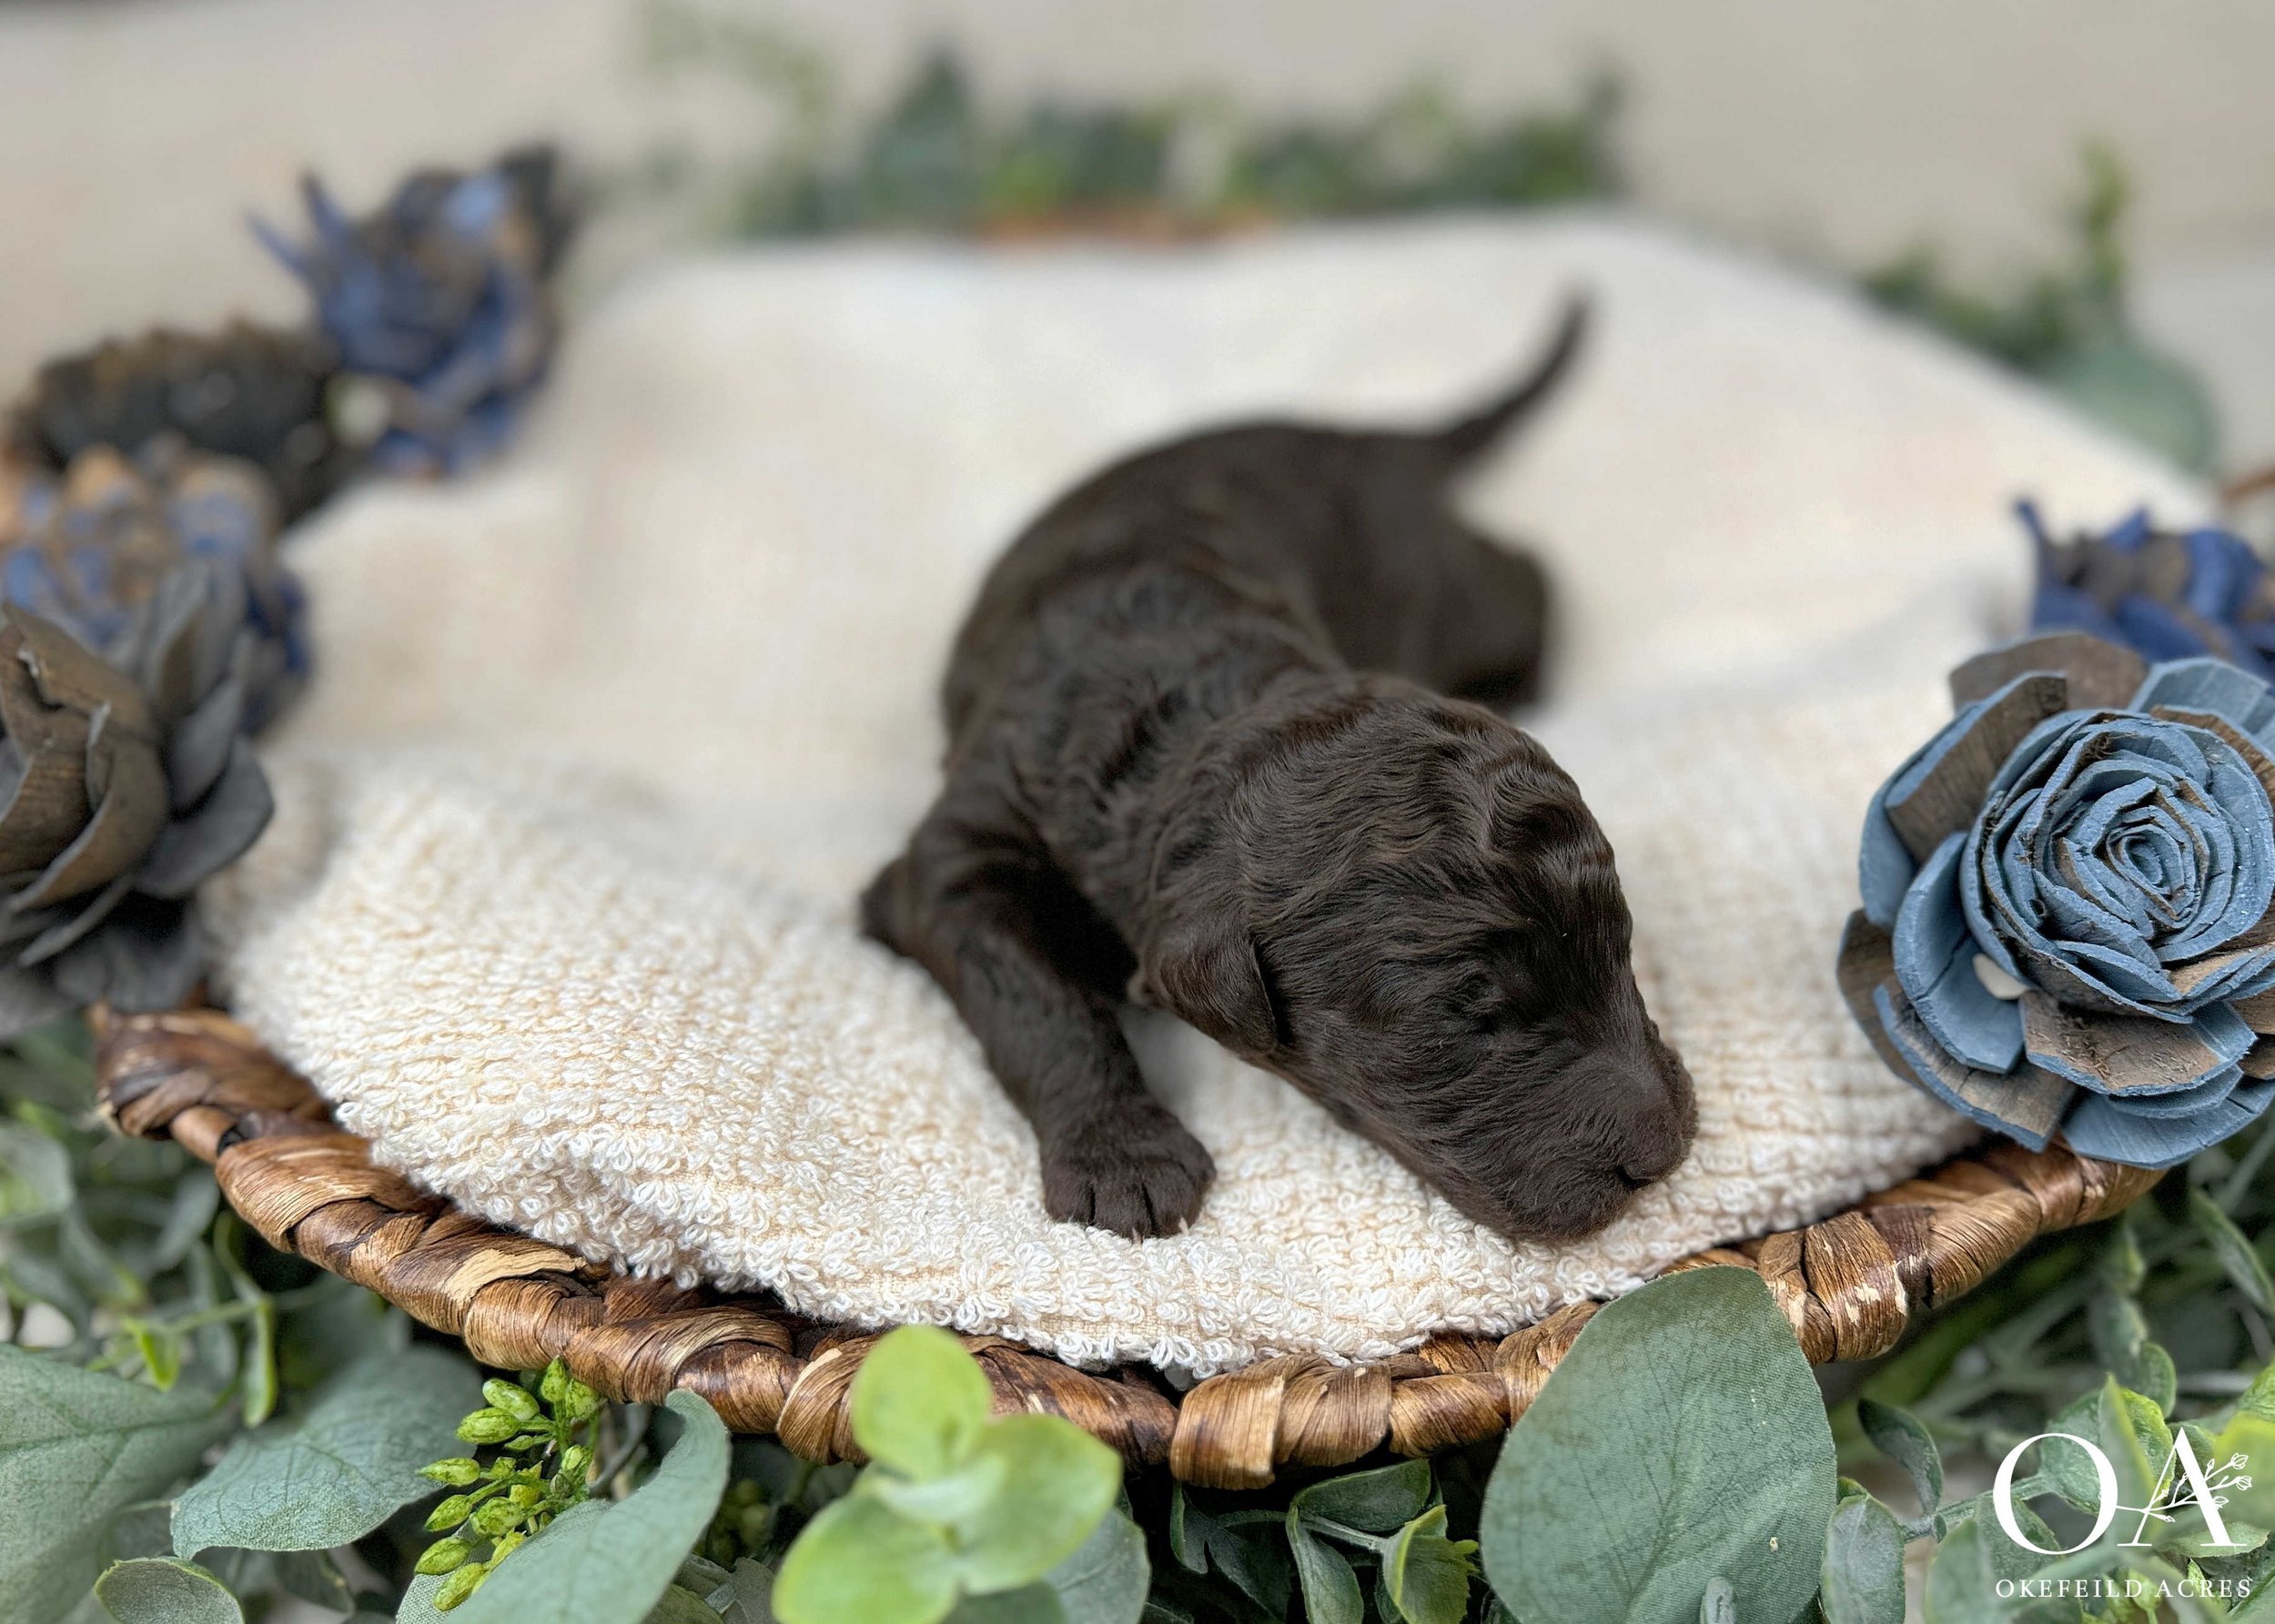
x,y
59,927
2230,976
2185,1102
2100,672
123,829
200,746
1934,962
1941,792
2024,1104
225,822
2128,1054
2101,1126
150,955
2207,683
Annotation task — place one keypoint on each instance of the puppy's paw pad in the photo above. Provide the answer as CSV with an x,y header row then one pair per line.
x,y
1139,1178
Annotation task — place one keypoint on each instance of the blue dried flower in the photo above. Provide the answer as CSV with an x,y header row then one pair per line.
x,y
2067,921
88,547
439,306
2169,594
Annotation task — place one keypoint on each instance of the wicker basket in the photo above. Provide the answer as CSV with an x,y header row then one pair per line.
x,y
1849,1285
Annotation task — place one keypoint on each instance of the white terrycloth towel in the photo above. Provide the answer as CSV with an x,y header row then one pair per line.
x,y
557,909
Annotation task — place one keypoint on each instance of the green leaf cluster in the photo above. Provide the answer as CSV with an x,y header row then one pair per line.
x,y
227,1427
961,1513
2070,328
1388,1525
935,159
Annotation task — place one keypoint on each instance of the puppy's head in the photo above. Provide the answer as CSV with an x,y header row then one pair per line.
x,y
1400,903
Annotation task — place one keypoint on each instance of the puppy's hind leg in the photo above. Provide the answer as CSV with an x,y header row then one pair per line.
x,y
1489,622
1036,977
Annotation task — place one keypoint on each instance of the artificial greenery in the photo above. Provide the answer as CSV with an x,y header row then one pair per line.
x,y
194,1427
542,1427
2070,326
936,159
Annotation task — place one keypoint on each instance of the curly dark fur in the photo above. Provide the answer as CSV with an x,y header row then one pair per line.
x,y
1202,757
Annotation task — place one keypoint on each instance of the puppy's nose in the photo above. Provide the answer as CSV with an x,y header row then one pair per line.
x,y
1661,1117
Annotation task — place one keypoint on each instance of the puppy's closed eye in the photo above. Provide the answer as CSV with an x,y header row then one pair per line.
x,y
1484,1002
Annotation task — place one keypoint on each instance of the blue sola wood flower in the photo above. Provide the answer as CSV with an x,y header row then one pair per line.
x,y
89,547
2066,921
439,306
2170,594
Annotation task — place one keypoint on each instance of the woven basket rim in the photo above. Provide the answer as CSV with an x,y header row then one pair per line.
x,y
1849,1286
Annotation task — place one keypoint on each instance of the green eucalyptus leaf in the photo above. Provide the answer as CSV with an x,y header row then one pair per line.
x,y
2120,1265
1900,1436
746,1597
1029,1603
313,1481
861,1562
161,1590
1056,1484
942,1500
333,1326
1381,1501
418,1607
140,1531
1105,1581
1331,1589
2193,1539
2063,1463
1962,1585
608,1562
678,1605
919,1402
195,1201
1864,1564
77,1447
1681,1437
2259,1398
2143,394
1259,1566
1428,1575
2253,1438
2131,1430
2120,1341
1720,1604
34,1174
2236,1254
1970,1564
315,1577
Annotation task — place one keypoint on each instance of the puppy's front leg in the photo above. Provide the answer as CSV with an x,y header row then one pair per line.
x,y
1037,975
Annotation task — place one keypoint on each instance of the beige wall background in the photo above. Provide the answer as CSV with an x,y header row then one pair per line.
x,y
135,134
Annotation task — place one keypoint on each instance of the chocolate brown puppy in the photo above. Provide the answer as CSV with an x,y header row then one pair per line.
x,y
1216,746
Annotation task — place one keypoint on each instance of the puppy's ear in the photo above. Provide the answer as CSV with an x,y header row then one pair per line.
x,y
1203,967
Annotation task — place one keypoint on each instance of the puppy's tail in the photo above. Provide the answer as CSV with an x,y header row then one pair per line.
x,y
1460,442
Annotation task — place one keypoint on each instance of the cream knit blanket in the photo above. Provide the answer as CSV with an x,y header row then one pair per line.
x,y
557,909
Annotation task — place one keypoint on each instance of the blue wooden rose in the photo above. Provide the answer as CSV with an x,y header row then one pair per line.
x,y
2066,921
2170,594
439,305
89,546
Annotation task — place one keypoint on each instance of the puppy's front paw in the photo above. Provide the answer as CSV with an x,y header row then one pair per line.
x,y
1137,1173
